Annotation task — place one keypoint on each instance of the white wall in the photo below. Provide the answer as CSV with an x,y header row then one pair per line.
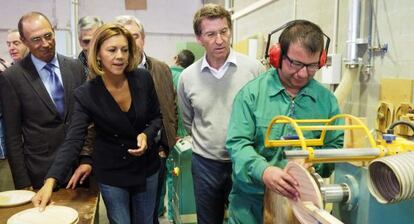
x,y
166,21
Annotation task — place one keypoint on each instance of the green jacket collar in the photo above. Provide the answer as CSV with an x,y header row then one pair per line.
x,y
276,87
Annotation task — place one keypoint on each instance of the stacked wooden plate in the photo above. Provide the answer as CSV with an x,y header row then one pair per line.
x,y
17,197
51,215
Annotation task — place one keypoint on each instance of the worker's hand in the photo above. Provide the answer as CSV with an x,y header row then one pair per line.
x,y
142,145
281,182
81,173
44,195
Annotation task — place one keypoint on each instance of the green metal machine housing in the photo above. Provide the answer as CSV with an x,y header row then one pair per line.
x,y
183,191
362,208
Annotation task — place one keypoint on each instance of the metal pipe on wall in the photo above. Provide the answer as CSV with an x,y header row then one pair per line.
x,y
335,28
54,19
74,15
368,66
352,69
228,5
353,32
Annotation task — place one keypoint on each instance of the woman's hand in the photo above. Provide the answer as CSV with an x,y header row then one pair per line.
x,y
81,173
142,146
43,196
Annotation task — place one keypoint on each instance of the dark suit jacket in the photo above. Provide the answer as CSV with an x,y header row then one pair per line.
x,y
33,127
162,77
115,134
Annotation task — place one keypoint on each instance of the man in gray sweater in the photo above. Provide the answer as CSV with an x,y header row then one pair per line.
x,y
205,94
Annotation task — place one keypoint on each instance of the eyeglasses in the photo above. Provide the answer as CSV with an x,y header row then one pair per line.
x,y
213,34
297,65
47,37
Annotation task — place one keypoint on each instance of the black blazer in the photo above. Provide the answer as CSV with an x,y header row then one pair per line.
x,y
33,127
115,134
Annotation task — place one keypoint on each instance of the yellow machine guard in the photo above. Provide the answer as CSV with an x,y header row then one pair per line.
x,y
385,149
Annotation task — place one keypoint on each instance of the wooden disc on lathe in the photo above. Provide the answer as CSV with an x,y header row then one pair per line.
x,y
308,190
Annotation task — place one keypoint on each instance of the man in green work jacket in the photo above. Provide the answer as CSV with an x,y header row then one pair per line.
x,y
183,59
287,89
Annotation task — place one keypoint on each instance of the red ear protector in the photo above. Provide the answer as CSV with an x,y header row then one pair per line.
x,y
275,52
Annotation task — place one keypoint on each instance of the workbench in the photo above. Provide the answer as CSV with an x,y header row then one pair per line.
x,y
83,200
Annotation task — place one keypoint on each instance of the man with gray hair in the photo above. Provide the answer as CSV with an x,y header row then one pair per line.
x,y
17,50
87,26
162,77
205,95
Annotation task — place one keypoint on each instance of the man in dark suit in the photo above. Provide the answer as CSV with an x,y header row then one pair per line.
x,y
36,95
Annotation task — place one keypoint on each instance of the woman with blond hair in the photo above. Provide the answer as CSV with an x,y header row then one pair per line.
x,y
122,103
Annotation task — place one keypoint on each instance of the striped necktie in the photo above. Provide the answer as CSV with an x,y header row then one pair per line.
x,y
56,89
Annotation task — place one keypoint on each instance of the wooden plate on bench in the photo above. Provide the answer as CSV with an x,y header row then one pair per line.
x,y
15,197
51,215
